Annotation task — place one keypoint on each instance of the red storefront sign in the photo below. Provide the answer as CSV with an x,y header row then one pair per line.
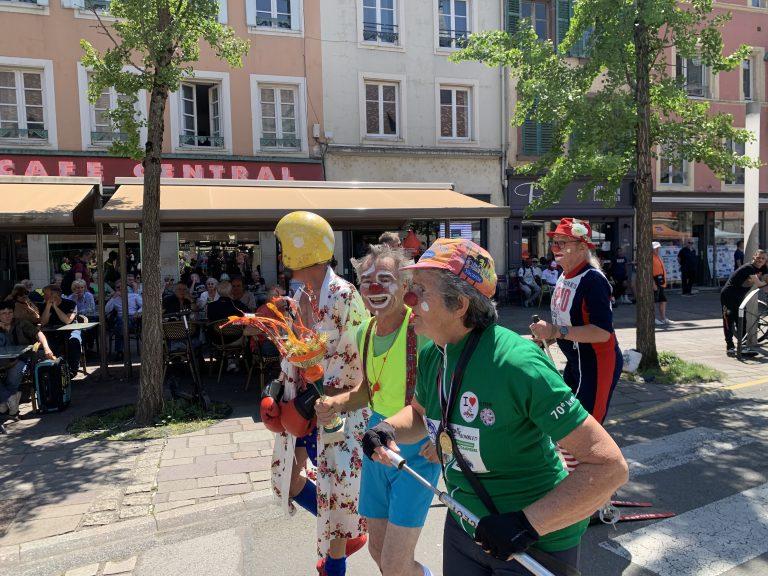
x,y
108,168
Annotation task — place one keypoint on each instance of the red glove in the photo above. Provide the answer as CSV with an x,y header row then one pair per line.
x,y
293,422
269,409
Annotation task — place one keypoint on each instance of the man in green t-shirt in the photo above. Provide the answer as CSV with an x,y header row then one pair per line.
x,y
491,399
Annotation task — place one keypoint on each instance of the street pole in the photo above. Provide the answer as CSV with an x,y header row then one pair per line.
x,y
752,202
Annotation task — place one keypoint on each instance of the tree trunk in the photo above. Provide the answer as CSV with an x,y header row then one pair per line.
x,y
646,331
150,402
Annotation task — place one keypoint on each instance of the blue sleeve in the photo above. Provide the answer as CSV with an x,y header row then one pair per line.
x,y
597,300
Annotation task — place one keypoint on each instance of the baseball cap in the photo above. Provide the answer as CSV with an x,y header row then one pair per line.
x,y
463,258
656,245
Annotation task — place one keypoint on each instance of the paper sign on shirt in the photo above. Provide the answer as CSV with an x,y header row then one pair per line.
x,y
468,440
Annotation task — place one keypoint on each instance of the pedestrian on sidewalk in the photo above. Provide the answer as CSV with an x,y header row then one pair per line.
x,y
394,504
659,273
688,264
333,307
739,284
493,404
620,276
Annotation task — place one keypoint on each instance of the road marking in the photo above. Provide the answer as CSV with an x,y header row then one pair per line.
x,y
681,448
706,541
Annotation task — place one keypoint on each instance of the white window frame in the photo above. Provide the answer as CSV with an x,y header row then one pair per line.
x,y
752,84
473,15
732,186
299,84
225,103
398,80
378,44
707,77
473,115
687,171
40,7
297,19
49,100
760,4
86,111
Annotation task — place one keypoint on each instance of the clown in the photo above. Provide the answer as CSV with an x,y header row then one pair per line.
x,y
393,504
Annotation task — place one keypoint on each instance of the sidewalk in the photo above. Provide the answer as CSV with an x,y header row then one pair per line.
x,y
58,489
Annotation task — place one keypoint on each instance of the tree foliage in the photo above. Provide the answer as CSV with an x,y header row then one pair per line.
x,y
591,102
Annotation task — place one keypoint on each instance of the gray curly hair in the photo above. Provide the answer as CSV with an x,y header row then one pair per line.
x,y
377,252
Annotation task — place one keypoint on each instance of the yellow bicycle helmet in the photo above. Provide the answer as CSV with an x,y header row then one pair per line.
x,y
306,239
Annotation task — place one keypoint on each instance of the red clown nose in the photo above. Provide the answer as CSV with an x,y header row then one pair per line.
x,y
411,299
376,288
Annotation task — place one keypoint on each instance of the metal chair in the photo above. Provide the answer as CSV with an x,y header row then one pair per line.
x,y
263,362
545,289
227,342
175,346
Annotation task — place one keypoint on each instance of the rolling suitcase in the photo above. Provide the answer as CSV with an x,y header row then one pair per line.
x,y
53,386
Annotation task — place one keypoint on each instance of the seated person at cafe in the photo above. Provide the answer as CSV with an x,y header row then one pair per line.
x,y
550,275
86,304
24,308
180,300
219,311
16,332
244,300
57,311
115,306
35,294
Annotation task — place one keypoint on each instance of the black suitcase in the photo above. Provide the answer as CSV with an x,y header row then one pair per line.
x,y
53,386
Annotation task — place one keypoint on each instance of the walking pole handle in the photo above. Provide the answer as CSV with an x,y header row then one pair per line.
x,y
397,460
535,318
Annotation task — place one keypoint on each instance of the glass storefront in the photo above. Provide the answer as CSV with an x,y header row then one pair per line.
x,y
217,253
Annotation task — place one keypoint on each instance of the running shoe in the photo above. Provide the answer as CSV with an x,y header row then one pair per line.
x,y
731,352
749,352
659,322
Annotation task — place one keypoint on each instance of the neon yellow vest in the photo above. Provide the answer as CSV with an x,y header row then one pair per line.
x,y
390,370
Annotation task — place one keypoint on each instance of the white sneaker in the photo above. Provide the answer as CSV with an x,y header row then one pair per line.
x,y
13,404
667,321
659,322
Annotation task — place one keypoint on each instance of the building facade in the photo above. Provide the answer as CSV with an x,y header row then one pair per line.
x,y
254,122
689,201
396,108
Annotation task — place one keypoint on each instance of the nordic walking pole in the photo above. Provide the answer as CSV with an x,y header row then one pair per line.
x,y
399,462
544,344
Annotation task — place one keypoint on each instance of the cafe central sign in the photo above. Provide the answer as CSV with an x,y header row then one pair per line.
x,y
108,168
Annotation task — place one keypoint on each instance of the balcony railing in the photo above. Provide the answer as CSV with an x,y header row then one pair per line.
x,y
201,141
453,38
268,142
279,22
108,137
24,133
377,32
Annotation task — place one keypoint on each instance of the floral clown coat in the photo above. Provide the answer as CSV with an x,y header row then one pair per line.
x,y
339,311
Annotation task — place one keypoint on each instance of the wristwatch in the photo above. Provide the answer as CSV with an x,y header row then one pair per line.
x,y
563,331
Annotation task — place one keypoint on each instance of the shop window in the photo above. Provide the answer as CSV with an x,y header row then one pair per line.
x,y
273,15
380,22
693,76
673,172
455,113
279,126
382,104
453,23
536,138
200,115
736,174
22,113
746,79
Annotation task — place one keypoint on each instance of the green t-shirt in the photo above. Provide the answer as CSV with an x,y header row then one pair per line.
x,y
511,407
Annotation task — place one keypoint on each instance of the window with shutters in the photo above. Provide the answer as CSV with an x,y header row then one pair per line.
x,y
454,25
536,138
736,175
382,109
455,113
563,15
536,12
22,106
279,16
693,75
200,116
380,22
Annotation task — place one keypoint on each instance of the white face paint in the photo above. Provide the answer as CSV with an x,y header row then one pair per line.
x,y
424,306
389,283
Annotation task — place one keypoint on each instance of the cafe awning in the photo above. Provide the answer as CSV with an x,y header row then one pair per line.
x,y
252,204
45,204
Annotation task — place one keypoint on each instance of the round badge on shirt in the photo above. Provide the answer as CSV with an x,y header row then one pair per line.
x,y
469,406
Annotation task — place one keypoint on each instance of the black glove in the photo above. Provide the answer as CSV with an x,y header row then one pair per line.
x,y
376,437
502,535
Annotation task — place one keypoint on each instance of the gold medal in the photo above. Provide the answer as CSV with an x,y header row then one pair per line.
x,y
445,443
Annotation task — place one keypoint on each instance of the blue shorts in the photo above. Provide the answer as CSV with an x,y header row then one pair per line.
x,y
391,495
310,443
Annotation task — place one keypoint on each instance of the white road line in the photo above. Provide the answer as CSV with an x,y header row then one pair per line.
x,y
681,448
706,541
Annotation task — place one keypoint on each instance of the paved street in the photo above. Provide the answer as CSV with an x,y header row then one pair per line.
x,y
199,504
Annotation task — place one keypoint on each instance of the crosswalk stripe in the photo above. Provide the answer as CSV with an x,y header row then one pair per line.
x,y
706,541
681,448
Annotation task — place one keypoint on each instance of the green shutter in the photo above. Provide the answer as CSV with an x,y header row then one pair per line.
x,y
563,10
513,15
537,138
545,137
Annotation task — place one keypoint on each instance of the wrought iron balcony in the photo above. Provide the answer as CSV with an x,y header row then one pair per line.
x,y
279,22
108,137
294,143
377,32
453,38
24,133
201,141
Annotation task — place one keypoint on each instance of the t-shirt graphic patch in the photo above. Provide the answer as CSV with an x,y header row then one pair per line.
x,y
469,406
488,416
